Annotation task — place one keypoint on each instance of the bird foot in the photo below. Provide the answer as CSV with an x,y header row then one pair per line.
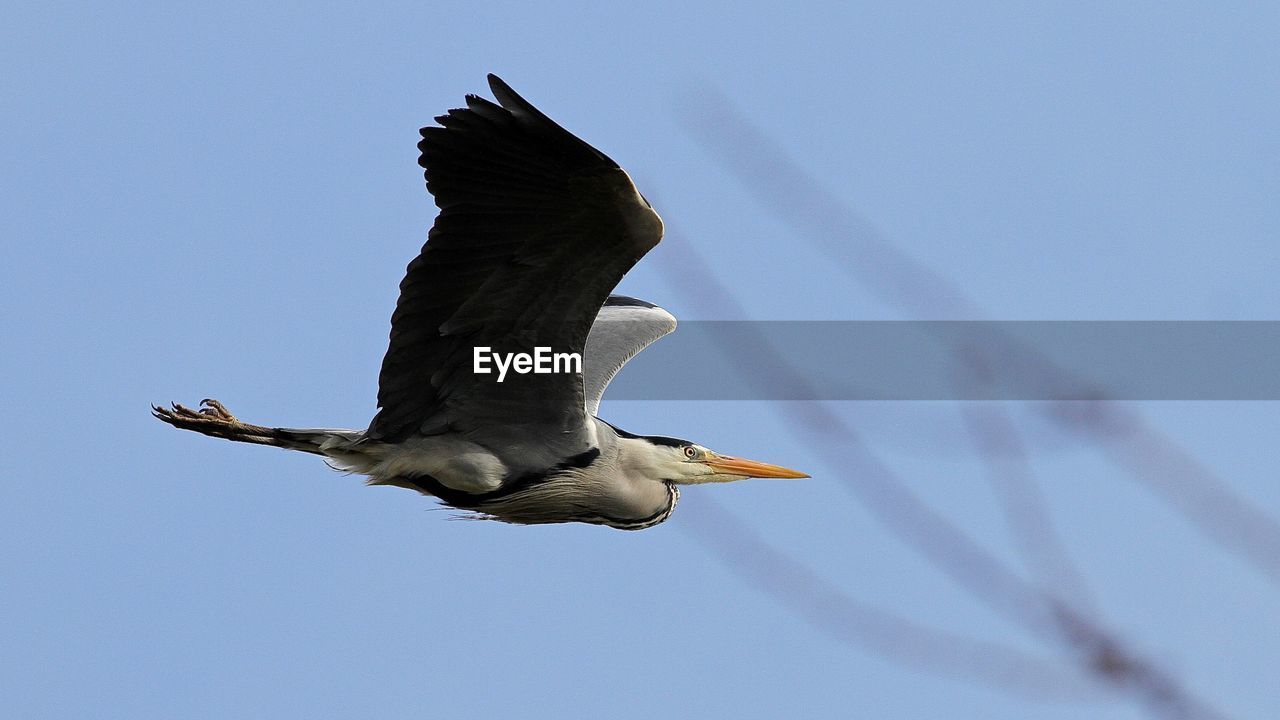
x,y
210,413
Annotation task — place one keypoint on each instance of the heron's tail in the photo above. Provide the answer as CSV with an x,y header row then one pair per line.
x,y
216,421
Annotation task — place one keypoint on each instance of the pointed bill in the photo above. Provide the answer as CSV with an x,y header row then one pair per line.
x,y
751,468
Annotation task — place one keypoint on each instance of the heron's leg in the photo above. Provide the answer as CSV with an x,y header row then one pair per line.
x,y
211,413
213,418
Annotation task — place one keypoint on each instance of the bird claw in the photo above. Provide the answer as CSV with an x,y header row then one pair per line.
x,y
213,408
210,412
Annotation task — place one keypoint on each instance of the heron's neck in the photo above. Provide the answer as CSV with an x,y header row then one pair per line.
x,y
639,460
633,486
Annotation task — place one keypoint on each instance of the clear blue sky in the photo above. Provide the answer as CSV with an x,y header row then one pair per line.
x,y
220,201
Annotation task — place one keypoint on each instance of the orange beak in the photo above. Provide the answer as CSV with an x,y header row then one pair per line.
x,y
750,468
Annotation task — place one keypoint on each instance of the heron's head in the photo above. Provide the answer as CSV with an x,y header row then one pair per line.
x,y
688,463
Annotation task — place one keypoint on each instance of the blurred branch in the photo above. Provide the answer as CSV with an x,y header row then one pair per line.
x,y
1098,651
1025,510
847,620
814,212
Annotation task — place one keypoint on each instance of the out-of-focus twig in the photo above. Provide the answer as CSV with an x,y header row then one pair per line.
x,y
841,617
787,191
1024,508
1099,652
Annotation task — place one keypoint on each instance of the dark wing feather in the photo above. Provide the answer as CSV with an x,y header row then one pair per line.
x,y
535,228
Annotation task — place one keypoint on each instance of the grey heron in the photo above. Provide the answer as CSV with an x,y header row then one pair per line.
x,y
535,229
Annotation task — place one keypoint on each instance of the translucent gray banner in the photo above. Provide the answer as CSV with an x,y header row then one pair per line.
x,y
948,360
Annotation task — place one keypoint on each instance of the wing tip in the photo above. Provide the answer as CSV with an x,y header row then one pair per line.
x,y
525,112
497,84
622,306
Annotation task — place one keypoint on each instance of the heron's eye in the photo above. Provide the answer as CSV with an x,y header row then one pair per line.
x,y
691,452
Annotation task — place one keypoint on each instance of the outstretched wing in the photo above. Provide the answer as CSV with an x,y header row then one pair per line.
x,y
623,327
535,228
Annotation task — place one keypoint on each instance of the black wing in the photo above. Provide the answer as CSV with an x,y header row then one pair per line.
x,y
535,228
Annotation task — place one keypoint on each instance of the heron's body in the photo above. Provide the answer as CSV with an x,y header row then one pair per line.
x,y
536,228
604,485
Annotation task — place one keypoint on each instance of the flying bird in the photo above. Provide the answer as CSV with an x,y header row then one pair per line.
x,y
536,228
